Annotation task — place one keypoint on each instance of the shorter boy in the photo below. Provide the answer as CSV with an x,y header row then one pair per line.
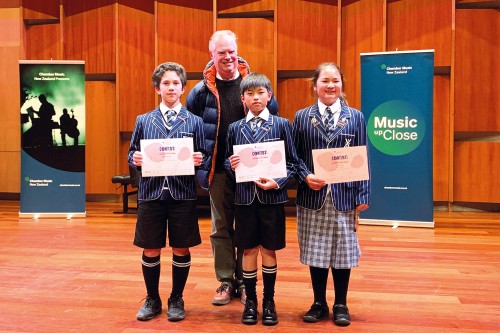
x,y
167,202
259,210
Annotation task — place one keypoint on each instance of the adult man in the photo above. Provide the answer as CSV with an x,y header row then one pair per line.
x,y
216,99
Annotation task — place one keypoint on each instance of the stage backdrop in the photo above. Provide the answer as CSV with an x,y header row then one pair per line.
x,y
52,138
397,101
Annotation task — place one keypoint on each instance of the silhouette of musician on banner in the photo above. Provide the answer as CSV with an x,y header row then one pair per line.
x,y
68,127
40,133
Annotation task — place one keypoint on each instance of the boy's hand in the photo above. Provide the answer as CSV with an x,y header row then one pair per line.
x,y
266,183
197,158
137,158
235,161
314,182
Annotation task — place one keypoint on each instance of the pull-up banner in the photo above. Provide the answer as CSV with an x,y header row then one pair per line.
x,y
52,138
397,101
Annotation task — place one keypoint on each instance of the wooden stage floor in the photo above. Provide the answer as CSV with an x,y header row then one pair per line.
x,y
84,275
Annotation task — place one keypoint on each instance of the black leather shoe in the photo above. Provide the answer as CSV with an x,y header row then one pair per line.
x,y
150,309
175,309
317,312
269,315
250,313
341,315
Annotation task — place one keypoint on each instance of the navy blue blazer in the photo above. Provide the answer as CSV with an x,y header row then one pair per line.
x,y
152,126
274,129
309,134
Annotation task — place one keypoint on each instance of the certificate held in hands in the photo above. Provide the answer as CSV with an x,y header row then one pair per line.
x,y
340,165
167,157
257,160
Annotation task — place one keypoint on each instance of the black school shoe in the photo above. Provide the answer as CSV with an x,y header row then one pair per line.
x,y
317,312
175,309
269,315
150,309
249,316
341,315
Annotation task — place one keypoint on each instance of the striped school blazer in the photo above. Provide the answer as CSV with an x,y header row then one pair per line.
x,y
152,126
274,129
309,134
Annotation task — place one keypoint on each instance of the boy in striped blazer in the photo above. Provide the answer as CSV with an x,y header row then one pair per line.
x,y
167,203
259,204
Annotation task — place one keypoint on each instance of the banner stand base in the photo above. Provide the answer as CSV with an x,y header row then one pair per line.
x,y
36,216
396,223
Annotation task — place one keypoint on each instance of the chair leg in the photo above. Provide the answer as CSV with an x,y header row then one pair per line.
x,y
125,198
125,194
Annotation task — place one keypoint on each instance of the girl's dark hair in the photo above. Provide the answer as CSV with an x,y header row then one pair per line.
x,y
317,73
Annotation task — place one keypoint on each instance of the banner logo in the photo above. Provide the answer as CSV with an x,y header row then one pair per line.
x,y
396,127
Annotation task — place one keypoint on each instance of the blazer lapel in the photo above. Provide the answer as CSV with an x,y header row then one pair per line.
x,y
159,122
179,121
264,128
342,123
317,121
246,130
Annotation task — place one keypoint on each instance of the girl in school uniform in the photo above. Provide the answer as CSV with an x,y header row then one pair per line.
x,y
327,213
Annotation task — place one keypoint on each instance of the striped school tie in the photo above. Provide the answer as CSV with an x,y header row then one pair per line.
x,y
254,125
170,118
329,121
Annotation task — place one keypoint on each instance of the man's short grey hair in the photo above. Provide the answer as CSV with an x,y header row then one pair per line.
x,y
218,34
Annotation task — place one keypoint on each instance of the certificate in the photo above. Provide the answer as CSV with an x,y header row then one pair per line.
x,y
167,157
257,160
340,165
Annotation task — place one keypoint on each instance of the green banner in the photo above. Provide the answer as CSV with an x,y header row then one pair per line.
x,y
52,138
397,101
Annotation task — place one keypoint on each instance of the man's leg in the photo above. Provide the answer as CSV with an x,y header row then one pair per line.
x,y
221,237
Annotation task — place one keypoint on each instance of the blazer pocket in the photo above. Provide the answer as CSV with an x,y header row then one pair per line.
x,y
186,135
271,140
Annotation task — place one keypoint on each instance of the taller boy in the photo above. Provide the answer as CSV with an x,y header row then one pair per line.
x,y
167,202
216,99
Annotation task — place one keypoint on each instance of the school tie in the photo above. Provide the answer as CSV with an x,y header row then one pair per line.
x,y
254,125
170,118
329,121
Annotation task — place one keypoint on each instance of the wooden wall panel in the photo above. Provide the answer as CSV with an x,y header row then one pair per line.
x,y
10,134
101,147
10,126
476,172
136,60
89,34
238,6
43,42
123,157
40,9
184,28
362,31
477,101
10,164
423,24
441,138
293,95
255,43
307,33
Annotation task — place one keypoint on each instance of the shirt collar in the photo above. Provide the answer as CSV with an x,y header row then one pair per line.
x,y
264,115
236,75
164,108
335,107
